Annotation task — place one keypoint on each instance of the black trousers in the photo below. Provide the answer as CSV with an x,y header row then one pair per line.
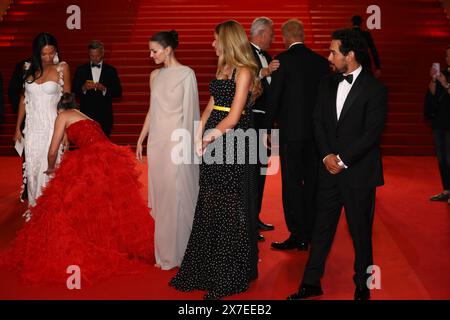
x,y
442,142
359,205
106,125
263,157
100,112
299,179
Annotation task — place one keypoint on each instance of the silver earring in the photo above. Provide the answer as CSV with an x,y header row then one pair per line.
x,y
56,59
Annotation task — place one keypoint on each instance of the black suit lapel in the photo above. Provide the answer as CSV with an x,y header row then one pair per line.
x,y
355,91
102,74
89,72
256,54
333,97
267,56
264,81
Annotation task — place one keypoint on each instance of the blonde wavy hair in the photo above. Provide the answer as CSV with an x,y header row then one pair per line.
x,y
235,52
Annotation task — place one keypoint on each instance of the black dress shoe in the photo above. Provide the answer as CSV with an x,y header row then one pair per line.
x,y
362,293
306,291
289,244
264,226
440,197
261,237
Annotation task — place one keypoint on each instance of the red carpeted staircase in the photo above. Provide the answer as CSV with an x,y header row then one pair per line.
x,y
413,34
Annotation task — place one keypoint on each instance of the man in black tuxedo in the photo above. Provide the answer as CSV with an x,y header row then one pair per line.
x,y
293,94
95,84
261,37
356,25
348,122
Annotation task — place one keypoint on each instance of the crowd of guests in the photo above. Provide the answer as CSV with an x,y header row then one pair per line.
x,y
206,213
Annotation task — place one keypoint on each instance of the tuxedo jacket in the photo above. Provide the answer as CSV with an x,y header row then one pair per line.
x,y
93,103
293,92
356,136
262,101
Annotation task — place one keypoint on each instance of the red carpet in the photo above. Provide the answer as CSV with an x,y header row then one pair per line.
x,y
411,245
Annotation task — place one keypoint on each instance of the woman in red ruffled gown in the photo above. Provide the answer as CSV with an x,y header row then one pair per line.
x,y
90,215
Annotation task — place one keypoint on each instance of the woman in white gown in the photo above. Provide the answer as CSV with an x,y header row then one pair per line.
x,y
173,182
45,81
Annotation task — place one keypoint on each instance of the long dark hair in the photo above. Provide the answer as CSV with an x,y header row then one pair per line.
x,y
42,39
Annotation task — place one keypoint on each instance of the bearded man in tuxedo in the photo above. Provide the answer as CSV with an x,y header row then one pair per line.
x,y
348,123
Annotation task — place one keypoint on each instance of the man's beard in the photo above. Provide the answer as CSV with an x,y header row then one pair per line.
x,y
344,69
335,69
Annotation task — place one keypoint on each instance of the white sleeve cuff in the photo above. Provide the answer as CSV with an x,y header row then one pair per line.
x,y
341,163
260,76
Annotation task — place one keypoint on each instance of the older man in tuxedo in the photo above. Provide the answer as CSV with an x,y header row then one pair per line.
x,y
261,37
348,123
95,84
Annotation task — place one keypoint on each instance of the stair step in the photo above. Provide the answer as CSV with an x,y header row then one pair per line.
x,y
402,150
8,151
407,139
125,27
407,128
132,118
405,118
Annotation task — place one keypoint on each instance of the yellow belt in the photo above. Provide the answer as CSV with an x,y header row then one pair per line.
x,y
226,109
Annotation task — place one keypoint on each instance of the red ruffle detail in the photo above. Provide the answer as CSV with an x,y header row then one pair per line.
x,y
91,215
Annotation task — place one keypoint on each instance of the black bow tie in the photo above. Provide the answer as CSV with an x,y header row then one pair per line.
x,y
93,65
259,51
348,77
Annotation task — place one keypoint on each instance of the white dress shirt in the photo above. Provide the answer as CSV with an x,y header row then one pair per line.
x,y
342,93
96,72
344,89
293,44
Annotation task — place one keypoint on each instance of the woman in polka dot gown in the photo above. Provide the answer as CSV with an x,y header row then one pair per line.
x,y
221,256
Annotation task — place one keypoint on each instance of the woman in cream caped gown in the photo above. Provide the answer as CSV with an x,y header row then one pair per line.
x,y
173,173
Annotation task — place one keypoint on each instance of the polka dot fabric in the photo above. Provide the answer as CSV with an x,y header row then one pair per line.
x,y
221,256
